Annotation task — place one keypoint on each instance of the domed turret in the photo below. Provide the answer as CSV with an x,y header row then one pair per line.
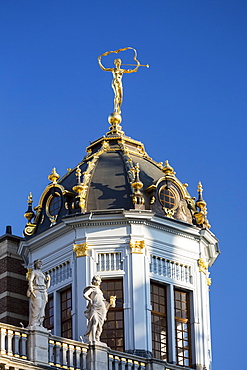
x,y
116,173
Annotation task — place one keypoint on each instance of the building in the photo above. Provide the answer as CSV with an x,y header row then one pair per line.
x,y
129,219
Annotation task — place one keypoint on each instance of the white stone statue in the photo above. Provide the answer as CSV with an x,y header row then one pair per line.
x,y
37,292
96,310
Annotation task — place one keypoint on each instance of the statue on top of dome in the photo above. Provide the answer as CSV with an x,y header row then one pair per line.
x,y
118,72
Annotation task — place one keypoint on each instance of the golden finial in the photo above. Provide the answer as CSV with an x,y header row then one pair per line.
x,y
201,216
137,197
29,214
54,176
200,203
168,169
80,189
30,198
78,174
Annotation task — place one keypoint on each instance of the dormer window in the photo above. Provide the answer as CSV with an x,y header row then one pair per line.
x,y
54,205
167,197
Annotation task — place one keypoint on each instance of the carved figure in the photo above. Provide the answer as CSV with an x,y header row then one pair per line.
x,y
96,309
37,292
118,74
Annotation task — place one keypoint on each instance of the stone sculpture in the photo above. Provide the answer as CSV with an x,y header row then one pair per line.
x,y
96,309
37,293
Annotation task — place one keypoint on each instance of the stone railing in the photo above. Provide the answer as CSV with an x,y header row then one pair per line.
x,y
67,353
125,361
13,341
21,348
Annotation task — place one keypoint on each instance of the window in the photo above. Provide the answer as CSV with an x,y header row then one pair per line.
x,y
66,317
159,323
49,314
113,330
182,327
55,204
167,197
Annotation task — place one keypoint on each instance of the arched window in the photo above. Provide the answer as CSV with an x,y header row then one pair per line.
x,y
167,197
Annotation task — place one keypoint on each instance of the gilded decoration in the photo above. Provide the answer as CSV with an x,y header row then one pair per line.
x,y
137,185
81,249
82,187
117,73
137,246
28,273
209,281
54,176
203,266
201,215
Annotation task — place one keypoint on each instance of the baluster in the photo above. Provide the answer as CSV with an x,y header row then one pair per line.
x,y
59,273
2,339
104,261
142,366
186,274
123,363
58,353
129,364
99,262
51,352
9,342
23,349
108,262
111,360
52,277
182,272
155,265
116,362
189,275
63,266
151,264
163,267
78,358
118,261
71,356
114,261
177,271
17,336
64,354
84,359
169,268
159,266
136,365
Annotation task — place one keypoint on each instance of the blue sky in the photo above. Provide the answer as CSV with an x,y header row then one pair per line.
x,y
189,107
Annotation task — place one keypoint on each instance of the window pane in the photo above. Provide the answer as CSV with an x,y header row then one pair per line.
x,y
49,314
113,333
159,326
182,324
66,318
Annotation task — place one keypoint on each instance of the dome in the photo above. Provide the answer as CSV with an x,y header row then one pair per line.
x,y
116,174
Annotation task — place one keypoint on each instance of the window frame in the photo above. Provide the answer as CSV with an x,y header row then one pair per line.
x,y
68,319
114,311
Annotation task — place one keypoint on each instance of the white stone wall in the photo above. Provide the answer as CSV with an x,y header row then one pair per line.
x,y
170,256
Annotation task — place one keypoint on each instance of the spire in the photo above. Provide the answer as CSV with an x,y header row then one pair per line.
x,y
29,214
201,215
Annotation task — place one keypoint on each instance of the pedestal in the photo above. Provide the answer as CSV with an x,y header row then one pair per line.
x,y
97,356
37,345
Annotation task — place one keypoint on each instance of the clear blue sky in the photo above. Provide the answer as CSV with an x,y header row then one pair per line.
x,y
188,107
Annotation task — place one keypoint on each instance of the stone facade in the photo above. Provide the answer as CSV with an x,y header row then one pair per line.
x,y
13,284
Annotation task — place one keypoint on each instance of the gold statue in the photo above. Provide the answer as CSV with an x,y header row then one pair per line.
x,y
118,74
